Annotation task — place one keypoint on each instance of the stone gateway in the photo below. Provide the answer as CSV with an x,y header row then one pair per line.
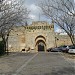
x,y
39,36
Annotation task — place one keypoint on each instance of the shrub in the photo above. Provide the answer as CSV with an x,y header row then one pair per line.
x,y
2,51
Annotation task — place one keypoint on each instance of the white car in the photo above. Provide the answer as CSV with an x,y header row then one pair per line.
x,y
71,49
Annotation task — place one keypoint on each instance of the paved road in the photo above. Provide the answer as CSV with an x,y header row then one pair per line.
x,y
36,64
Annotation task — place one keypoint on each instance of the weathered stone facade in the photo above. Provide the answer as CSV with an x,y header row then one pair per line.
x,y
39,36
29,37
62,40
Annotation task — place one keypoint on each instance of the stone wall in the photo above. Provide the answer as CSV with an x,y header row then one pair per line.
x,y
62,40
26,37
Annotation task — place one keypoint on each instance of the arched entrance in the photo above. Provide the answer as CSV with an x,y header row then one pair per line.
x,y
40,43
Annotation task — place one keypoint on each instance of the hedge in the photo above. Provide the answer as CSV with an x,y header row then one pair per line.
x,y
2,51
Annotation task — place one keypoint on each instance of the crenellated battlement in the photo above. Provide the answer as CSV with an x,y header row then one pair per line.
x,y
40,25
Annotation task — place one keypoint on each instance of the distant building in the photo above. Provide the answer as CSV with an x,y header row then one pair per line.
x,y
39,36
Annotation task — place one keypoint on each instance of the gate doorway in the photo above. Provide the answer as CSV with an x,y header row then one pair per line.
x,y
40,45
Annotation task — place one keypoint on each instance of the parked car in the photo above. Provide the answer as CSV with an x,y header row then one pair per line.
x,y
71,49
56,49
64,48
49,49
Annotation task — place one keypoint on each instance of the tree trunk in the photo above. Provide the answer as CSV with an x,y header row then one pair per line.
x,y
5,45
72,39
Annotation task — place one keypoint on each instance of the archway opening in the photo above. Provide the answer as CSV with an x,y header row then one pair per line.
x,y
41,45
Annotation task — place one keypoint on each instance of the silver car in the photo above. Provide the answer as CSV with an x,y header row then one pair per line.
x,y
71,49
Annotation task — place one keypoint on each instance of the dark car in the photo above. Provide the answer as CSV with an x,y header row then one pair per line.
x,y
56,49
64,48
49,49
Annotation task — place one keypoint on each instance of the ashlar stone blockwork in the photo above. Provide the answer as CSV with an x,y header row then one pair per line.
x,y
29,38
39,36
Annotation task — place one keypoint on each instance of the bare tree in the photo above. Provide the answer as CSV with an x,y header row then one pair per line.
x,y
62,12
12,13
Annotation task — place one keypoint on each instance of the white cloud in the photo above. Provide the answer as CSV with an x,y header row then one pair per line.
x,y
33,7
32,16
59,30
63,33
34,11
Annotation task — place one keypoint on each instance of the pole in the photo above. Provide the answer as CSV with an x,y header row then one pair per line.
x,y
55,42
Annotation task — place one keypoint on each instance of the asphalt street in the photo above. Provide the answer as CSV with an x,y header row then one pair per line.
x,y
36,64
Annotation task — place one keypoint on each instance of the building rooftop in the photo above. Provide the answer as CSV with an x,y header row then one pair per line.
x,y
39,23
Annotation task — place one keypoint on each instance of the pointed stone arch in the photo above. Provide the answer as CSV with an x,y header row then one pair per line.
x,y
40,36
40,43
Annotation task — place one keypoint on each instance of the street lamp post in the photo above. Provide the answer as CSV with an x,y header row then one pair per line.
x,y
55,42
